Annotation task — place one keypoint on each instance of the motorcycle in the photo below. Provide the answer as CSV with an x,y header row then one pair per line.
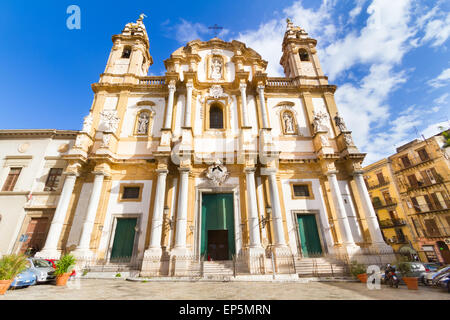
x,y
391,278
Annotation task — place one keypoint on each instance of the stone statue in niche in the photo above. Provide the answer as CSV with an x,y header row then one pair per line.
x,y
320,121
288,123
143,122
339,121
216,68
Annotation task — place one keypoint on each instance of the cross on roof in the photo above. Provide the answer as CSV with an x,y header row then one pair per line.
x,y
215,27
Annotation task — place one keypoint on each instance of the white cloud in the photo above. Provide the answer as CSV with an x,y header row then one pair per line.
x,y
437,31
382,40
441,99
187,31
356,10
441,80
435,128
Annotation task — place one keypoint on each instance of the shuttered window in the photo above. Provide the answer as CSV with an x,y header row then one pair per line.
x,y
11,179
301,190
53,179
131,193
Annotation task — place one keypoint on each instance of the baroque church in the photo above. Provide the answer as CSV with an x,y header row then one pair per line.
x,y
213,161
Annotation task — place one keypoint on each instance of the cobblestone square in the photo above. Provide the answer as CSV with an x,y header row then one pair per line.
x,y
88,289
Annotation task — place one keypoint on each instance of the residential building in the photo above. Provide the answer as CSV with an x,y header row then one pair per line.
x,y
31,178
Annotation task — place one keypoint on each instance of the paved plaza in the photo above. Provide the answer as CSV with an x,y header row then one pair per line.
x,y
89,289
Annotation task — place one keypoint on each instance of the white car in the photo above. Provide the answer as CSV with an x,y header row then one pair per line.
x,y
42,269
430,276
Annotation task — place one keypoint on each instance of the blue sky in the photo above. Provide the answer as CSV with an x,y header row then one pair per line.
x,y
390,59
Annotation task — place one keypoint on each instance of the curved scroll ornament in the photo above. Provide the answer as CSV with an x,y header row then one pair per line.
x,y
217,173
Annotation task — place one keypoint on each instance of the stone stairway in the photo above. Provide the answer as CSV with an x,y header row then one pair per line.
x,y
218,270
320,267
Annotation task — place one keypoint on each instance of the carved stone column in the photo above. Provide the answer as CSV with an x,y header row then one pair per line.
x,y
50,249
181,226
344,225
83,250
369,212
157,219
263,106
253,220
169,110
243,88
188,110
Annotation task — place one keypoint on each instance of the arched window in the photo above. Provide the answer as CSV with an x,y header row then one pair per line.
x,y
215,117
304,56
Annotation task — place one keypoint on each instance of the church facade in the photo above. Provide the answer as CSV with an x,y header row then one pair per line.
x,y
211,161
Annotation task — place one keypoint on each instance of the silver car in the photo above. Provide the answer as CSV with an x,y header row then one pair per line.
x,y
42,269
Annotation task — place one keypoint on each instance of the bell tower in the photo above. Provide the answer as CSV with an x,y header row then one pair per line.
x,y
299,58
129,57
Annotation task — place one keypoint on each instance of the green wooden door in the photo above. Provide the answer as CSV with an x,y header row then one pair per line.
x,y
309,235
217,214
123,239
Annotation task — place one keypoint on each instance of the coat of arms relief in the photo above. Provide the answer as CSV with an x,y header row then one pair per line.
x,y
217,173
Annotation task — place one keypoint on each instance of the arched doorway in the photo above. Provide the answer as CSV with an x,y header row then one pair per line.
x,y
444,251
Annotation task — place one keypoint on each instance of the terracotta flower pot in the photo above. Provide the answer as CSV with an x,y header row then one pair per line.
x,y
411,282
61,280
4,286
362,277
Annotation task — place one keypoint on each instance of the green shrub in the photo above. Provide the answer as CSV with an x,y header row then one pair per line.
x,y
118,275
404,267
357,268
65,264
11,265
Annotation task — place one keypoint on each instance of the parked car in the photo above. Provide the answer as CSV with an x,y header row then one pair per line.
x,y
444,282
54,261
417,269
43,270
429,277
24,279
432,266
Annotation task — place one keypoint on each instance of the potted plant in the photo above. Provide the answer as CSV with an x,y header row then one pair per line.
x,y
10,266
358,270
64,268
404,267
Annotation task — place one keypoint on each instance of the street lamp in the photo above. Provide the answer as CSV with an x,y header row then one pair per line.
x,y
265,220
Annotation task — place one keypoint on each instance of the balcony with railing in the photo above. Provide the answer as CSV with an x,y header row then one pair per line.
x,y
379,204
411,163
424,183
439,232
378,184
391,223
153,81
398,240
432,207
